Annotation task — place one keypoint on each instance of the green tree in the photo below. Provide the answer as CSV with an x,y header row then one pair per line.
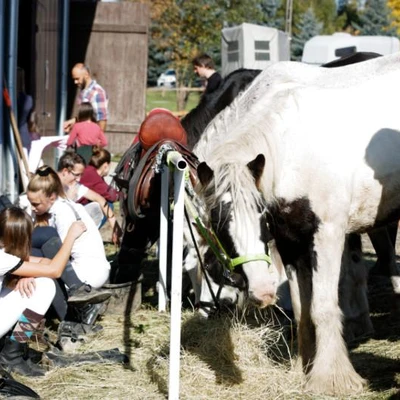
x,y
273,14
308,27
394,7
326,12
348,16
376,19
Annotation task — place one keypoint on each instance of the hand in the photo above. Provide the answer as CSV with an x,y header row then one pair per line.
x,y
26,286
76,229
68,124
116,234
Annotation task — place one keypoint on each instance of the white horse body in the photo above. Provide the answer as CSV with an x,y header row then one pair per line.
x,y
331,140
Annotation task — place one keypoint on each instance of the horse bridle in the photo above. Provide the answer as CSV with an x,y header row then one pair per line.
x,y
228,263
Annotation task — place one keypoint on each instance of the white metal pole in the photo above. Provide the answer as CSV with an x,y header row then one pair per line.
x,y
163,241
176,286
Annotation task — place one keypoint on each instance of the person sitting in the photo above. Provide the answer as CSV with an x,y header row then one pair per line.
x,y
71,167
93,178
86,133
26,286
48,199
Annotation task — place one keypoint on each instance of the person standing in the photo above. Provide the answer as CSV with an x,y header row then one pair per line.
x,y
85,131
92,92
203,66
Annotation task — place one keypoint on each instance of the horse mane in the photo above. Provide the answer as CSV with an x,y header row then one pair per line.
x,y
236,179
212,103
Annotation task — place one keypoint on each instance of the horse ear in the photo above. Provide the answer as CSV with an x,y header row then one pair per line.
x,y
256,168
205,173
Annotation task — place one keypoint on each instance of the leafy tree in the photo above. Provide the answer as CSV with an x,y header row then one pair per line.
x,y
325,12
376,20
394,9
308,27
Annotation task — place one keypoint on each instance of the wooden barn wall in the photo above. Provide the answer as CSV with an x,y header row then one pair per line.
x,y
112,38
47,42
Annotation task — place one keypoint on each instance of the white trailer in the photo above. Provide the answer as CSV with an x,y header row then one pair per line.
x,y
325,48
252,46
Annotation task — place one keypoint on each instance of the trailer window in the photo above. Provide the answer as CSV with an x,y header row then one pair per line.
x,y
345,51
233,51
262,50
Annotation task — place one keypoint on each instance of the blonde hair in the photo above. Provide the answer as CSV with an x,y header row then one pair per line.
x,y
16,232
47,181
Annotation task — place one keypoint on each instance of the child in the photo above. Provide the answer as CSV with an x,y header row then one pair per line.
x,y
86,132
26,286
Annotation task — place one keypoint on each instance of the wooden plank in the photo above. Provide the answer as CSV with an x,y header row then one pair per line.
x,y
111,28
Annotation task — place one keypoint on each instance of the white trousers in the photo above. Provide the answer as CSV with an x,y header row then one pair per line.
x,y
12,304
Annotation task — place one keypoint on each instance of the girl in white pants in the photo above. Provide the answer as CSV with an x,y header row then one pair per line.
x,y
26,286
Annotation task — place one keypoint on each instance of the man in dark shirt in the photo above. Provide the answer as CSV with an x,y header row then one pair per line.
x,y
203,66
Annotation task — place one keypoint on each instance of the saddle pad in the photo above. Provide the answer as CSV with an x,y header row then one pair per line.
x,y
161,124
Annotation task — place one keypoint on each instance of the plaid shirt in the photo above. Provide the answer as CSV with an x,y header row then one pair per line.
x,y
98,98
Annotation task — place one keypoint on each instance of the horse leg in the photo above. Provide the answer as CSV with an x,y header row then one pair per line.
x,y
353,290
330,371
383,240
138,237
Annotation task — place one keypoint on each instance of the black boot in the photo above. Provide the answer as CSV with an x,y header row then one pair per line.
x,y
14,358
88,314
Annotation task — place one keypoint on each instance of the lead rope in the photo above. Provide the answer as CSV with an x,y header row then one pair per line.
x,y
203,269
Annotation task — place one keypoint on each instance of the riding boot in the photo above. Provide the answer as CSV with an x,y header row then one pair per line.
x,y
89,313
14,358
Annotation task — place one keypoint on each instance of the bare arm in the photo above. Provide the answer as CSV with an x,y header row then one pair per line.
x,y
58,263
108,212
103,125
69,124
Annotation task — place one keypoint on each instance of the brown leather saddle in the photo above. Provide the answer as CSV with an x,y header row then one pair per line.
x,y
163,133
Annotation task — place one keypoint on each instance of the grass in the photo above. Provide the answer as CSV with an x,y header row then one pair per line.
x,y
166,98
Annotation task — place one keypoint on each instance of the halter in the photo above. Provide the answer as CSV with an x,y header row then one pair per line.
x,y
215,245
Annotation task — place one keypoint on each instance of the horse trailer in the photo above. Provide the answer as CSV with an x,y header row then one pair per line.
x,y
253,47
325,48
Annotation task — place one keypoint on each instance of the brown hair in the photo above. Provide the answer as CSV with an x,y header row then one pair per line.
x,y
47,181
203,60
99,156
86,112
69,159
16,232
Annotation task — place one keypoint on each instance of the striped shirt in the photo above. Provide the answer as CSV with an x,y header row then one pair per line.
x,y
98,98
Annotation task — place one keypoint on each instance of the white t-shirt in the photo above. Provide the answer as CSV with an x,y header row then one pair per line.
x,y
76,191
8,264
88,257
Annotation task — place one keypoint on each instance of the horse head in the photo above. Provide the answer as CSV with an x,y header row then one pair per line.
x,y
237,216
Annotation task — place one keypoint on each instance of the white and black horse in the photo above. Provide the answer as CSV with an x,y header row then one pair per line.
x,y
320,151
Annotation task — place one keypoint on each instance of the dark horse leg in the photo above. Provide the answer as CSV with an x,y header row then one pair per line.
x,y
384,243
138,238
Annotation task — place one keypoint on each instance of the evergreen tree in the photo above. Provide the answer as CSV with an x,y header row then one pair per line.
x,y
270,14
308,27
348,16
341,5
376,19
